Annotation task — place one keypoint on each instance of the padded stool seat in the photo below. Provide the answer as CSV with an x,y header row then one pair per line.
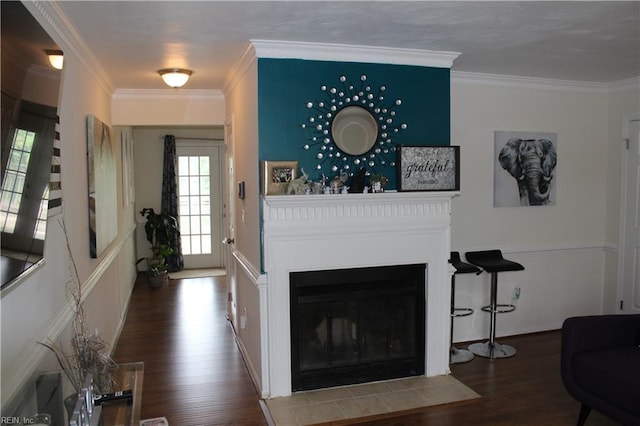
x,y
493,262
457,356
462,267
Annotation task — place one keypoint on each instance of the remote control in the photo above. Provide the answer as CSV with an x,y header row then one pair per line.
x,y
112,397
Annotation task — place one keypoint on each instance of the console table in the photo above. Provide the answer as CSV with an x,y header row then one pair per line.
x,y
117,413
126,376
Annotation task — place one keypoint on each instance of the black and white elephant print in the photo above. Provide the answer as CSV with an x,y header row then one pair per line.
x,y
531,162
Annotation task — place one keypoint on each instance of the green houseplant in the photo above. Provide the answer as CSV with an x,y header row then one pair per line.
x,y
160,229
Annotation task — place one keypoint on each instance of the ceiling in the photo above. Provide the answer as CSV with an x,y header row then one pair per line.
x,y
580,41
23,39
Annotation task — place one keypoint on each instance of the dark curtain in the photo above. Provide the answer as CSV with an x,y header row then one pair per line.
x,y
170,199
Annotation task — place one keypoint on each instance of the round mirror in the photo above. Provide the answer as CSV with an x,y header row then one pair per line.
x,y
354,130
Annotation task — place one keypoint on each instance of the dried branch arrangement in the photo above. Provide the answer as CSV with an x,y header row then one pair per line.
x,y
89,352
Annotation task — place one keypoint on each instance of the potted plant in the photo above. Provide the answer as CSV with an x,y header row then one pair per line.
x,y
160,229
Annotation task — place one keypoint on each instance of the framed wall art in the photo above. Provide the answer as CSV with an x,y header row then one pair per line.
x,y
276,176
126,153
103,200
428,168
525,169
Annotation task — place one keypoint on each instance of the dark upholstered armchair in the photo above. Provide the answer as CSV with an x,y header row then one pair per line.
x,y
601,365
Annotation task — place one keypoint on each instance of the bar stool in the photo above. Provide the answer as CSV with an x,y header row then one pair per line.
x,y
493,262
458,356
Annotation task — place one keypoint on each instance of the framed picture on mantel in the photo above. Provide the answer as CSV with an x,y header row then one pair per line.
x,y
276,176
428,168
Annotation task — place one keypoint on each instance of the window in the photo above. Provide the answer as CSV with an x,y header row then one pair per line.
x,y
14,179
195,203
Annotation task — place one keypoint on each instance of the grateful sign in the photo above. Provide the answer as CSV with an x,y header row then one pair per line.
x,y
428,168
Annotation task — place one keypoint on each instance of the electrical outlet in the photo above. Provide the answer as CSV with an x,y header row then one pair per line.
x,y
516,293
243,319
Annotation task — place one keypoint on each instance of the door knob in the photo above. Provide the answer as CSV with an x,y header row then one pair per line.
x,y
228,240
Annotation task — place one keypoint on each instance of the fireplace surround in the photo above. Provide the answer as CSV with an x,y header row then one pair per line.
x,y
328,232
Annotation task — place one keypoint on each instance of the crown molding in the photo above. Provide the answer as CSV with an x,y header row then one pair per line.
x,y
626,85
515,82
168,94
59,27
239,68
45,72
352,53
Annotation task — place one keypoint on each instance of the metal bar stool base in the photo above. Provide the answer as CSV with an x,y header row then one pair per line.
x,y
487,350
459,356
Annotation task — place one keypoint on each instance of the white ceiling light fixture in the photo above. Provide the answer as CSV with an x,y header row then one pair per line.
x,y
56,58
175,77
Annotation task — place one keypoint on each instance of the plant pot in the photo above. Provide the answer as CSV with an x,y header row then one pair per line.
x,y
158,280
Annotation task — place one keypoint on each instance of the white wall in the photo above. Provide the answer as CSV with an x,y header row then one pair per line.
x,y
245,284
564,247
37,309
167,107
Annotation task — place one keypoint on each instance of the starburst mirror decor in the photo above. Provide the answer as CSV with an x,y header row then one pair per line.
x,y
353,127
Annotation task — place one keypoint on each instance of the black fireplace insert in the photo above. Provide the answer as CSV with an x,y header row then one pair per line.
x,y
357,325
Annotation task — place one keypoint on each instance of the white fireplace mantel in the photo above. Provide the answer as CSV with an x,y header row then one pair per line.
x,y
323,232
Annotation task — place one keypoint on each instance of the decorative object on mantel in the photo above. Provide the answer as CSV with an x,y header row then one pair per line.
x,y
298,186
353,127
276,176
356,184
160,230
429,168
280,179
377,182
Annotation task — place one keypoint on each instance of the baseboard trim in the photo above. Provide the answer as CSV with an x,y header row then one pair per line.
x,y
247,362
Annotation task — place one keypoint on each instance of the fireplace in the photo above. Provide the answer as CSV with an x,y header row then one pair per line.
x,y
356,325
319,233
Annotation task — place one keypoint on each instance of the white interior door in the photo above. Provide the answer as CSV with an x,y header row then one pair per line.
x,y
200,204
630,234
230,236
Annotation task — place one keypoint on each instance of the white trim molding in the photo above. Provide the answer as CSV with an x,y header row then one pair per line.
x,y
626,85
515,82
247,60
352,53
168,94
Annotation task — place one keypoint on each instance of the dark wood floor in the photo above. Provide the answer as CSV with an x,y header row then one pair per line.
x,y
193,370
194,374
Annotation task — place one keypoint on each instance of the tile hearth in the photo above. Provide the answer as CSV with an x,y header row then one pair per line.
x,y
370,399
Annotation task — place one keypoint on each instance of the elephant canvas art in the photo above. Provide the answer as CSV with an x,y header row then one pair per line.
x,y
525,167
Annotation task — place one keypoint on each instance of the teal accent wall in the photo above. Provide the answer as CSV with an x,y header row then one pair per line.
x,y
286,85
